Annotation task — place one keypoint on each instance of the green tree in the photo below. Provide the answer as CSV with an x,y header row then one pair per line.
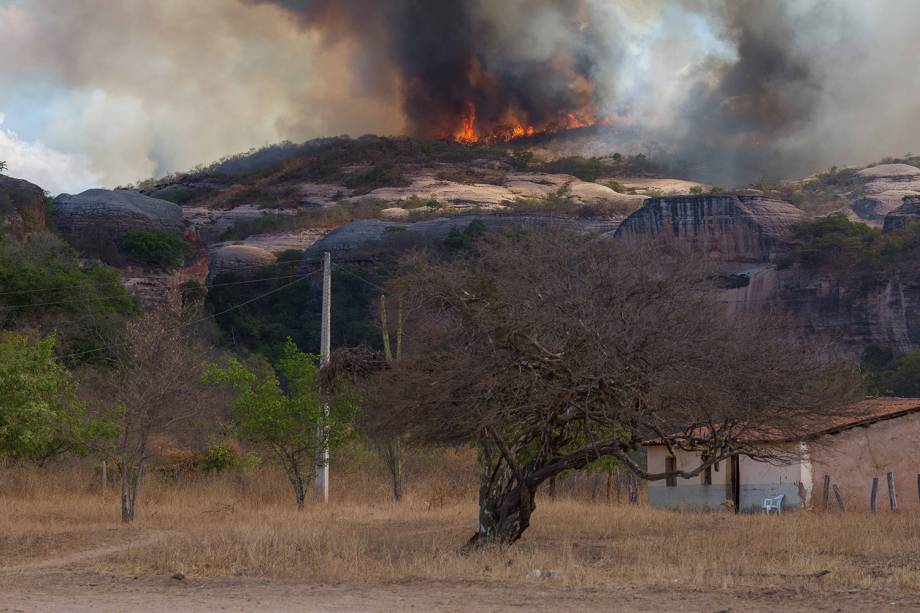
x,y
889,376
2,166
44,286
156,248
40,415
287,414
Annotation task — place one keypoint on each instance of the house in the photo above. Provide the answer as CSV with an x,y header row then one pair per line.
x,y
883,435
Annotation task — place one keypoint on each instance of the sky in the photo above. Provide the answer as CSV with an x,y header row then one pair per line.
x,y
108,92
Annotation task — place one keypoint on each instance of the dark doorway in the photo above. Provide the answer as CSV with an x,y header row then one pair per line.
x,y
734,482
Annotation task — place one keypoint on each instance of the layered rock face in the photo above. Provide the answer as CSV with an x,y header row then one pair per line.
x,y
22,207
241,259
885,187
100,215
901,217
742,227
743,235
849,318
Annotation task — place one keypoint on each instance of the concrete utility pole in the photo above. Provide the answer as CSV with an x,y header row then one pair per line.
x,y
322,480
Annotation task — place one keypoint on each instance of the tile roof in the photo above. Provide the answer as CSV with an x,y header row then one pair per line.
x,y
857,414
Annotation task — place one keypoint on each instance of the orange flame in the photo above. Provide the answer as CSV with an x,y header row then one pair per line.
x,y
467,131
513,127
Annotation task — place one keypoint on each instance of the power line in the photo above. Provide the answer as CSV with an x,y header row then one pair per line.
x,y
360,278
116,296
206,317
95,284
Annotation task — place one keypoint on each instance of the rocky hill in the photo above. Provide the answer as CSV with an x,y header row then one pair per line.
x,y
366,199
23,207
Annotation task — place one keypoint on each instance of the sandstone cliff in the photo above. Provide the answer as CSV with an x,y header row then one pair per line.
x,y
884,187
908,212
100,215
22,207
744,227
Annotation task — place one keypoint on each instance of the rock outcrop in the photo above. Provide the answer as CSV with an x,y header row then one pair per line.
x,y
449,193
22,207
241,259
101,215
908,212
885,187
370,239
488,196
743,227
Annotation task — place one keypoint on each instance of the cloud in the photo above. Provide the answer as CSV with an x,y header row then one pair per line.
x,y
52,170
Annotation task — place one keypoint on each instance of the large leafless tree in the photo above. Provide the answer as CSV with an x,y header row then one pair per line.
x,y
550,350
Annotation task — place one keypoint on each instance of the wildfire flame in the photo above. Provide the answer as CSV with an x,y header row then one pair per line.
x,y
468,132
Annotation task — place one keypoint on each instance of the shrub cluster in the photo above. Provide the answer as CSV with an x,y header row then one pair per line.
x,y
155,248
856,252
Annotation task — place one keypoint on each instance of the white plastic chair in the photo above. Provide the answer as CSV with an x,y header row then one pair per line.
x,y
773,504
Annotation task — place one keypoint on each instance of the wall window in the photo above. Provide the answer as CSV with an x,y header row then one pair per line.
x,y
670,465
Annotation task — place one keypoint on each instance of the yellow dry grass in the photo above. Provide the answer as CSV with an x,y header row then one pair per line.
x,y
229,527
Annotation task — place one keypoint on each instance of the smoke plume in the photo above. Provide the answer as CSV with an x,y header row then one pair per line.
x,y
740,88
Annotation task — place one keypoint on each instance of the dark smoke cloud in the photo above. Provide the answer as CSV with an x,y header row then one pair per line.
x,y
768,92
742,88
531,61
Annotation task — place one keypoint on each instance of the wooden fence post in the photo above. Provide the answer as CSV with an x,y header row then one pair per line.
x,y
874,497
918,485
839,499
827,487
891,494
105,478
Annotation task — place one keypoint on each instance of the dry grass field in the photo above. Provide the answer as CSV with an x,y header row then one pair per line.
x,y
237,539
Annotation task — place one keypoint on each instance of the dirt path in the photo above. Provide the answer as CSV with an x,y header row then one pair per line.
x,y
85,555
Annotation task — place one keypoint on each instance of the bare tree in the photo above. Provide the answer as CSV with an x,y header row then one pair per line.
x,y
551,351
154,390
391,444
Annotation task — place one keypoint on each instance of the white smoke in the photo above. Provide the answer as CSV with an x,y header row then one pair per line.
x,y
52,170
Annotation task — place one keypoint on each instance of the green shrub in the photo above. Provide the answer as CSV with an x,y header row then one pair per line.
x,y
464,241
220,458
696,190
886,375
383,174
617,187
586,169
155,248
856,252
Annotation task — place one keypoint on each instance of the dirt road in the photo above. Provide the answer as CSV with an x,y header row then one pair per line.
x,y
80,590
64,584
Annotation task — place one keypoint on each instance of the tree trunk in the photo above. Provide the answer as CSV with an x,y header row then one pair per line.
x,y
392,455
632,487
609,479
296,478
505,504
552,488
131,474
